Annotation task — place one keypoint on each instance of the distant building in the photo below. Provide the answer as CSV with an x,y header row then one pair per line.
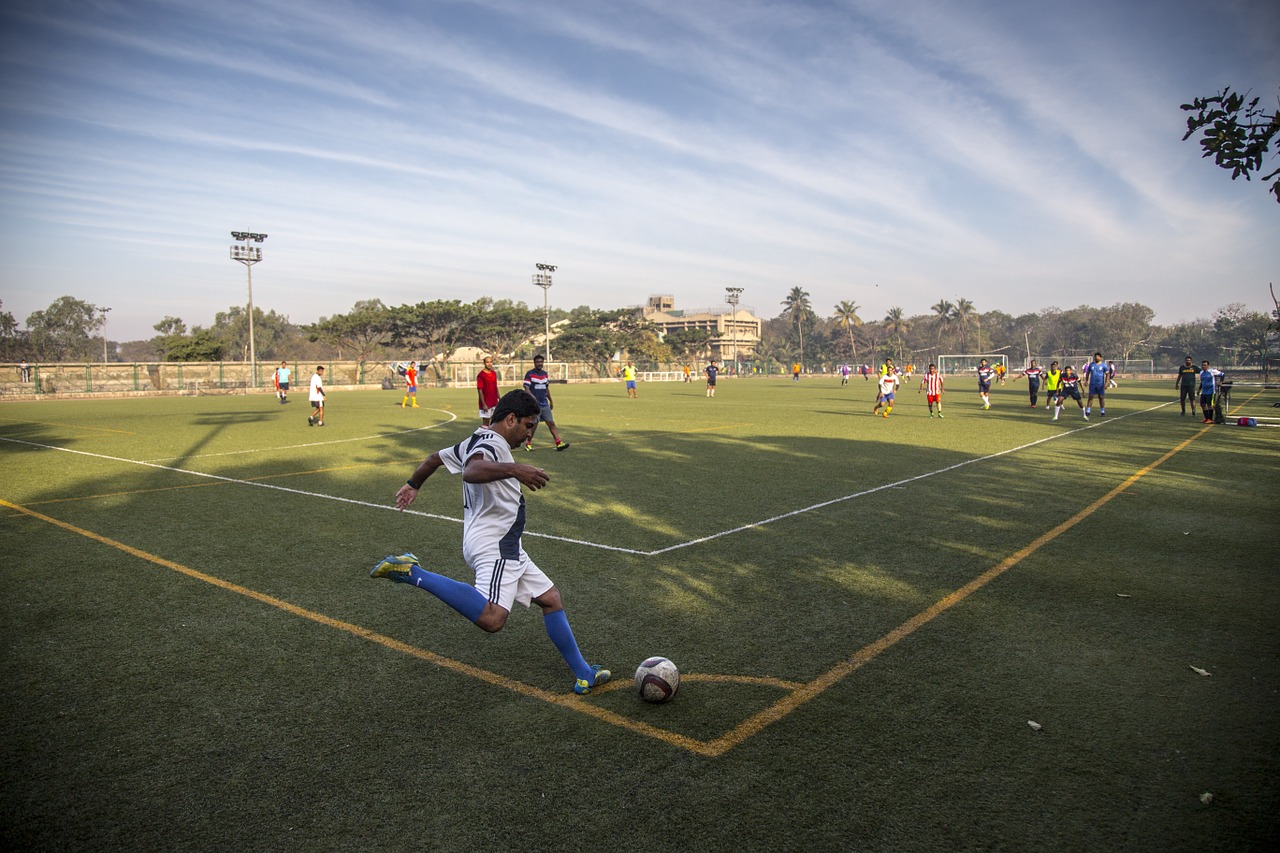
x,y
735,333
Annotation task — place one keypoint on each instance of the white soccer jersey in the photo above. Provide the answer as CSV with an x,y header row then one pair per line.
x,y
492,513
888,383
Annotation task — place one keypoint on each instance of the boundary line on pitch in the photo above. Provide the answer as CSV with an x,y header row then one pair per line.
x,y
599,545
811,690
565,700
754,724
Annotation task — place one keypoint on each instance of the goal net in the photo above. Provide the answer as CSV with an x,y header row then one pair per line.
x,y
464,373
959,365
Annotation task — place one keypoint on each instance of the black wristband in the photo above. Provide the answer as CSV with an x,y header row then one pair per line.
x,y
417,487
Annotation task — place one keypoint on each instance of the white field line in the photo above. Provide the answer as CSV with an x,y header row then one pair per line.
x,y
601,546
452,417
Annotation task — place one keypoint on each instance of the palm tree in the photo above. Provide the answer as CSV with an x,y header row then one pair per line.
x,y
895,326
963,314
942,320
797,305
847,317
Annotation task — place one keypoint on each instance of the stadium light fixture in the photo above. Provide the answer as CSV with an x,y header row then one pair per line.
x,y
732,295
249,255
542,278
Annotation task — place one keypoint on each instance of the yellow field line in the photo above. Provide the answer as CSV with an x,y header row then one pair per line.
x,y
757,722
564,700
751,726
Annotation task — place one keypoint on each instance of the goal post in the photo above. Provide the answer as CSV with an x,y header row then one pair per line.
x,y
960,364
464,373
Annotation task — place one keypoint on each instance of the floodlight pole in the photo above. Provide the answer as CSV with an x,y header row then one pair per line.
x,y
542,278
732,294
249,255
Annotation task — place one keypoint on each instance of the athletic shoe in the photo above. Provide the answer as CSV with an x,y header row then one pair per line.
x,y
931,414
415,406
564,445
986,406
311,421
528,448
582,687
939,414
1102,413
884,414
395,568
1086,417
1055,416
321,423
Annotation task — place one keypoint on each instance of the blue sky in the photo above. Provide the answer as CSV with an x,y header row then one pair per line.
x,y
1018,154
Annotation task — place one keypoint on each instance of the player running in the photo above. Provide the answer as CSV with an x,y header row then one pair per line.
x,y
1069,387
931,384
1095,373
492,526
1188,378
1033,374
985,375
887,386
1052,384
538,383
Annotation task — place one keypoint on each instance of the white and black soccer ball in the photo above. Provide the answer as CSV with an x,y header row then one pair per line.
x,y
657,680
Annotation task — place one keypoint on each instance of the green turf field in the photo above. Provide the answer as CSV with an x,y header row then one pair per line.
x,y
868,613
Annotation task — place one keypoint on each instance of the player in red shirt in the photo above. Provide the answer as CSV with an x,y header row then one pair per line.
x,y
487,390
932,386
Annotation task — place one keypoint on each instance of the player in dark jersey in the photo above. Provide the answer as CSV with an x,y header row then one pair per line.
x,y
538,383
1069,386
1188,379
712,372
1033,374
985,374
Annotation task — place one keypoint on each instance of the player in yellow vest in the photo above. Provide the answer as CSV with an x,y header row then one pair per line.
x,y
1052,383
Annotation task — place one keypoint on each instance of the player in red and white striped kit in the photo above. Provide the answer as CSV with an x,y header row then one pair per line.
x,y
932,386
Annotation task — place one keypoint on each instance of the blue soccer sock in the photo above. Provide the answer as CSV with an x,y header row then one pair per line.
x,y
464,598
557,624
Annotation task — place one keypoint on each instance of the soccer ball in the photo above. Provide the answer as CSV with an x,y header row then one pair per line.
x,y
657,680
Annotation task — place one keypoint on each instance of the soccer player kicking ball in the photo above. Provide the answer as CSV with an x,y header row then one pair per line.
x,y
492,524
931,385
888,384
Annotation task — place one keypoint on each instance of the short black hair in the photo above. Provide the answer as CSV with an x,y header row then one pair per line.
x,y
519,402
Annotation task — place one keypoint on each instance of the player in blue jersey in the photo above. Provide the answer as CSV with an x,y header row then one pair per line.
x,y
1209,379
538,383
1096,374
492,525
985,374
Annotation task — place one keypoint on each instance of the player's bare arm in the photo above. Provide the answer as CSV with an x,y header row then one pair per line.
x,y
408,492
482,470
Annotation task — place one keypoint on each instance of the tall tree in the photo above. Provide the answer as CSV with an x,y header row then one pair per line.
x,y
435,328
847,318
896,326
360,333
64,330
797,307
962,315
1237,133
943,318
501,326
